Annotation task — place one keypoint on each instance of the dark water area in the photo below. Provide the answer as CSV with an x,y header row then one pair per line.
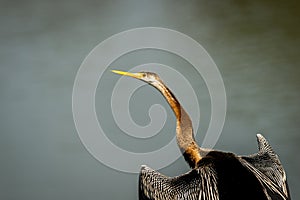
x,y
255,45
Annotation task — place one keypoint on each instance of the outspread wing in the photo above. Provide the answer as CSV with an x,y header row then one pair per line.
x,y
198,184
266,166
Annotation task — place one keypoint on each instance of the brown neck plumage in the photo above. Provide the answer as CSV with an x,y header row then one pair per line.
x,y
184,128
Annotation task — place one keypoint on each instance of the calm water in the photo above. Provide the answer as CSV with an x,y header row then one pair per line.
x,y
255,45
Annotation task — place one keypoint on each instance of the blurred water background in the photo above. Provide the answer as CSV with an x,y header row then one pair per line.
x,y
255,44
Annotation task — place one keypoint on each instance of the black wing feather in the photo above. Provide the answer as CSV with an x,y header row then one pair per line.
x,y
196,184
267,168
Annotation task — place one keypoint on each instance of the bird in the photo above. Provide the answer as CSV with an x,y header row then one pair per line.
x,y
214,174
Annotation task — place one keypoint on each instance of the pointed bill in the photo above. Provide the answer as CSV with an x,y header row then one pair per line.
x,y
134,75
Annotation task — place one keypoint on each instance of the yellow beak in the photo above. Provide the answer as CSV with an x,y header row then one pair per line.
x,y
134,75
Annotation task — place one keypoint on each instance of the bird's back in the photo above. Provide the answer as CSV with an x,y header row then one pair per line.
x,y
218,176
234,181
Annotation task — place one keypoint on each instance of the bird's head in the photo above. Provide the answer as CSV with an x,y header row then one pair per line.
x,y
148,77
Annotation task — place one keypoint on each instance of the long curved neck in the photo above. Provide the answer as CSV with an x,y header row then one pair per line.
x,y
184,129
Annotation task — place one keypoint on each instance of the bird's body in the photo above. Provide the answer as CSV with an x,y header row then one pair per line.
x,y
220,176
214,175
